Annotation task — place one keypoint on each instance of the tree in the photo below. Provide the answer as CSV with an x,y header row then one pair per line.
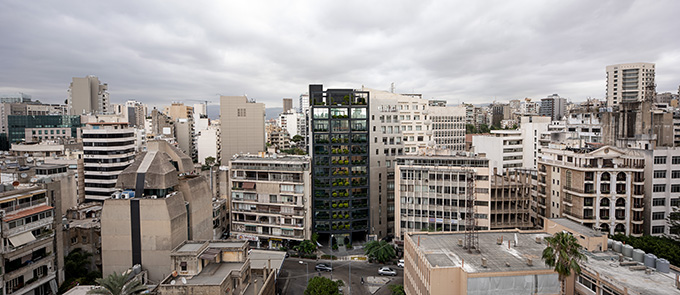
x,y
380,250
470,129
563,253
321,286
674,223
306,247
209,161
77,270
118,284
397,289
483,128
297,138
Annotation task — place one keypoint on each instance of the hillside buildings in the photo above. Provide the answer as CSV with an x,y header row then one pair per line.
x,y
88,95
241,127
270,200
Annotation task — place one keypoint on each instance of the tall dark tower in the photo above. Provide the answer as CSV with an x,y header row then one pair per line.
x,y
340,161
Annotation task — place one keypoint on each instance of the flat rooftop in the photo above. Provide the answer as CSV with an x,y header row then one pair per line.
x,y
259,259
84,223
442,250
577,227
636,281
214,273
190,247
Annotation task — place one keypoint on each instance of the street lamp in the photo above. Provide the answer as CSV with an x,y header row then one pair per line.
x,y
332,257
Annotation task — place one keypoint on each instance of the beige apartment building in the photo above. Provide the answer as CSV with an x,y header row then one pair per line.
x,y
88,95
631,82
270,199
155,211
601,188
242,126
509,261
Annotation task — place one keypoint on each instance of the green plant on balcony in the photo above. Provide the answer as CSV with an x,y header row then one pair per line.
x,y
346,226
335,205
335,216
335,194
346,162
345,151
346,216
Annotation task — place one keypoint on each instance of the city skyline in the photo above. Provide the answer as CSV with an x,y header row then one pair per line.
x,y
464,52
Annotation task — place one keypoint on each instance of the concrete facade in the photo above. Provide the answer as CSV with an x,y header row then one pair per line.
x,y
88,95
241,126
629,82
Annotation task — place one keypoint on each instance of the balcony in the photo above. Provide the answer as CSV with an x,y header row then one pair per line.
x,y
8,232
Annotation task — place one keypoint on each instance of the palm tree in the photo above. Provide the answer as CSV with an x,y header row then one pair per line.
x,y
118,284
563,253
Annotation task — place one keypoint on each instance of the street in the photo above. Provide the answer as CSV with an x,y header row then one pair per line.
x,y
292,279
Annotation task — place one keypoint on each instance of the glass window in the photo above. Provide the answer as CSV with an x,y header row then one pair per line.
x,y
659,173
320,113
359,113
660,160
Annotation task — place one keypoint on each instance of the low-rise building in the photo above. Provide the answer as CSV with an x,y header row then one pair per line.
x,y
270,199
218,267
83,231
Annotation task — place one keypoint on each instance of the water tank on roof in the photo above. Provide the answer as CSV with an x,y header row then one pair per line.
x,y
136,269
663,266
610,243
617,246
650,260
628,250
639,255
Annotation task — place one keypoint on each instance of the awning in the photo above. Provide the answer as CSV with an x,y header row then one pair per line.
x,y
248,185
22,239
210,254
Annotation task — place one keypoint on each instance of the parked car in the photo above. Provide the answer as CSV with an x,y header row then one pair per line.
x,y
400,263
386,271
323,267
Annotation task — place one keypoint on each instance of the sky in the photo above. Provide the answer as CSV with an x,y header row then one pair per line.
x,y
469,51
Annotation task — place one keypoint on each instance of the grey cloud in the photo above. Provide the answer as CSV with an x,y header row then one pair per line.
x,y
162,51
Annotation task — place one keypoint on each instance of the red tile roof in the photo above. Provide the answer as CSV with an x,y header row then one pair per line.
x,y
28,212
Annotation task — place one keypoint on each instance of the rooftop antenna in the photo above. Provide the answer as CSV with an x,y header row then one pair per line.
x,y
392,88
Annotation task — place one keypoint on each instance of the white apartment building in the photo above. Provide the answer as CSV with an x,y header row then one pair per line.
x,y
507,149
270,199
630,82
292,122
662,187
432,193
208,142
108,148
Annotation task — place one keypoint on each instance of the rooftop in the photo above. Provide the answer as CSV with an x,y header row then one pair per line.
x,y
260,259
214,273
575,227
442,250
635,281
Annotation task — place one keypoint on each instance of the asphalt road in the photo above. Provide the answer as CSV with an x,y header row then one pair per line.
x,y
292,278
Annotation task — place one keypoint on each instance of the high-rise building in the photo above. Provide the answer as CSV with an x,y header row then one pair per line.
x,y
270,199
554,107
304,103
108,148
340,163
242,126
631,82
88,95
208,142
287,105
154,211
662,184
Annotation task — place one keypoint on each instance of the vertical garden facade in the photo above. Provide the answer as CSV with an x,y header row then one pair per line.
x,y
339,122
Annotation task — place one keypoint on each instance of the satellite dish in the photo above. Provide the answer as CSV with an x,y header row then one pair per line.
x,y
173,282
15,183
38,163
23,175
184,281
29,159
26,155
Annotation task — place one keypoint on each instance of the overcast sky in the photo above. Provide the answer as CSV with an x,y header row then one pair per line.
x,y
160,51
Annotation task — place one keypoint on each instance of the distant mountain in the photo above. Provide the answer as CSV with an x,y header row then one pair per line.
x,y
271,113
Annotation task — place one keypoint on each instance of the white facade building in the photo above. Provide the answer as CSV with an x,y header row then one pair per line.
x,y
108,148
630,82
208,143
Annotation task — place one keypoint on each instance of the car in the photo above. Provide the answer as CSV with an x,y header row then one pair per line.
x,y
400,263
323,267
386,271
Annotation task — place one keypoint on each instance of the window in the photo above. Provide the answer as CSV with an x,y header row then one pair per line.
x,y
658,215
658,229
660,160
241,112
659,173
676,160
675,188
675,174
659,188
183,266
675,202
659,202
